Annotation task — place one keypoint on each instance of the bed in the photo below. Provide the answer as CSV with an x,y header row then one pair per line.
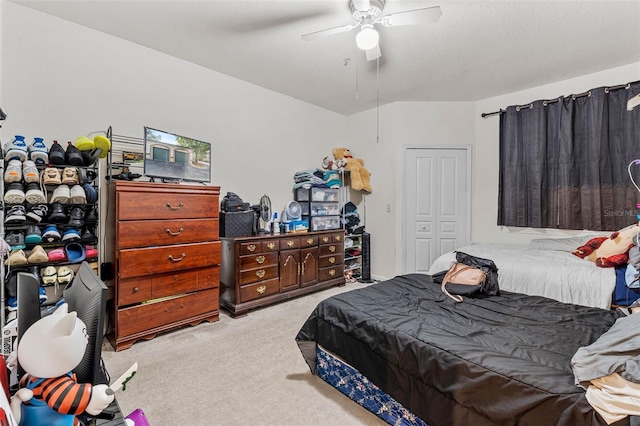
x,y
499,360
546,267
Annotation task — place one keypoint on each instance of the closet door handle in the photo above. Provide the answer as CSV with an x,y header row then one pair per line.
x,y
178,259
174,234
175,208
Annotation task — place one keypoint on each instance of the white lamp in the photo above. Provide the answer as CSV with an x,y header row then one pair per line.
x,y
367,38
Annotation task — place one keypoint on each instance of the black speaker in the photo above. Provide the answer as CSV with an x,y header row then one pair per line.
x,y
366,258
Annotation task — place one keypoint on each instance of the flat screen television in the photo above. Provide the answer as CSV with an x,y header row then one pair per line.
x,y
87,296
173,157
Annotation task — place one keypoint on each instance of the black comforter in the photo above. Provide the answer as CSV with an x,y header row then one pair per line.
x,y
497,360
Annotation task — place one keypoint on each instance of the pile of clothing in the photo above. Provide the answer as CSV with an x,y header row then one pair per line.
x,y
317,178
351,218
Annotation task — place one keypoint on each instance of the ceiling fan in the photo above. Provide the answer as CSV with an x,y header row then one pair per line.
x,y
367,13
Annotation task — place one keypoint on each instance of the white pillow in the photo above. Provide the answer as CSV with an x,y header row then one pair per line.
x,y
560,244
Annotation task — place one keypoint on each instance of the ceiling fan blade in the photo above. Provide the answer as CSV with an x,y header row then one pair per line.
x,y
362,5
373,54
413,17
328,32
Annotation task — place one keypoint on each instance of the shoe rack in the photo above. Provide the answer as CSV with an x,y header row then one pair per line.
x,y
74,216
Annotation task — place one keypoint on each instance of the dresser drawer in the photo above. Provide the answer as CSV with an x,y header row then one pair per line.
x,y
252,275
166,205
142,318
258,290
333,260
330,249
171,284
145,233
157,260
209,277
289,243
257,260
134,290
325,274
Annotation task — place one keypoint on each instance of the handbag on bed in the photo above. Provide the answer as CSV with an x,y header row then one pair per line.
x,y
470,275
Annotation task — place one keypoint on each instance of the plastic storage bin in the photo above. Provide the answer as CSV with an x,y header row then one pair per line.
x,y
321,223
317,208
318,194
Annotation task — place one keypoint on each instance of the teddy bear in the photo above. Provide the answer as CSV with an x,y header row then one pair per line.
x,y
610,251
359,175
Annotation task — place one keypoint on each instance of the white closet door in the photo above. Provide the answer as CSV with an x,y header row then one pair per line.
x,y
436,204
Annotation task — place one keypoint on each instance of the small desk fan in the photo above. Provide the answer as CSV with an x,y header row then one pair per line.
x,y
291,212
265,214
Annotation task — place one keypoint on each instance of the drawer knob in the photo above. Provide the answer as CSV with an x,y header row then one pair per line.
x,y
260,273
136,289
178,207
182,305
332,272
309,241
260,259
177,259
174,234
261,289
332,259
175,278
290,243
325,239
271,245
251,247
338,237
332,248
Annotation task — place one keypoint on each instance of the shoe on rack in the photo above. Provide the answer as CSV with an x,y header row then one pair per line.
x,y
16,149
56,154
51,234
61,194
91,216
76,220
38,255
38,152
16,215
13,173
14,194
91,194
73,155
37,213
30,172
83,143
91,252
49,275
103,143
57,214
17,257
34,235
57,255
42,294
65,275
70,175
12,303
34,194
51,176
78,195
88,235
71,234
86,176
75,252
15,240
89,158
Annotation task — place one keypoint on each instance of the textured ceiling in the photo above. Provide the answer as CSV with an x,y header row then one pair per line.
x,y
478,49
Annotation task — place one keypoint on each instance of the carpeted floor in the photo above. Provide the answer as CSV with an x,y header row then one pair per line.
x,y
243,371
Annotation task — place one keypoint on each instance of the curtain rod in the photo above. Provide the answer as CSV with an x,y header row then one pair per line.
x,y
552,101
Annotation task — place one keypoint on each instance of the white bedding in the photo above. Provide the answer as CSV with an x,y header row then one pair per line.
x,y
556,274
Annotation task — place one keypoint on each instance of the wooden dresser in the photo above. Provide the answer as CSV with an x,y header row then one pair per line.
x,y
263,270
166,257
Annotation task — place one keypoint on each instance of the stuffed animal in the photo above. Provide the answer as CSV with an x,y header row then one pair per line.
x,y
48,351
359,175
611,251
330,163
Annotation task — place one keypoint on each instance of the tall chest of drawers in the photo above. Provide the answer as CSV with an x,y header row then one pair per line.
x,y
263,270
165,257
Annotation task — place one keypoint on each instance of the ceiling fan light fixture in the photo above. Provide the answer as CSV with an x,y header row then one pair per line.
x,y
367,38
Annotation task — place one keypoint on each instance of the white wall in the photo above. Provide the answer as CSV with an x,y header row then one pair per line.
x,y
402,124
485,174
60,80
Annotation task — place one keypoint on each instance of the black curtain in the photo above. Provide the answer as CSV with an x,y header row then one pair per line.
x,y
564,162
